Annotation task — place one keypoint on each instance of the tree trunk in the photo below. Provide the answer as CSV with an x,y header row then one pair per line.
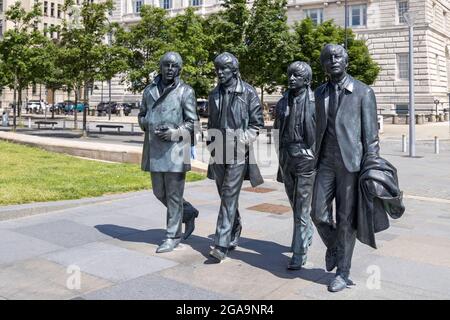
x,y
84,108
75,125
53,103
19,103
262,96
14,109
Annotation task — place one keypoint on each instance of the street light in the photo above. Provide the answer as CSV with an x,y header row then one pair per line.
x,y
409,18
346,23
436,102
109,80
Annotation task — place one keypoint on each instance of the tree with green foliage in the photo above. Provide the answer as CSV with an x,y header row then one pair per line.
x,y
82,49
308,40
22,51
227,28
267,54
147,41
189,39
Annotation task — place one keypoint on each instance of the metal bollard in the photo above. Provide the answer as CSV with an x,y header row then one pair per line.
x,y
436,145
29,123
403,143
132,128
64,123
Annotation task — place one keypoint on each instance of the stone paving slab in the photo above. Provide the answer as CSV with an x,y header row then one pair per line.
x,y
42,279
154,287
110,262
64,233
15,247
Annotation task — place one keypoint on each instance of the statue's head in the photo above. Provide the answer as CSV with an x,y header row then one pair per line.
x,y
170,66
227,68
334,60
299,75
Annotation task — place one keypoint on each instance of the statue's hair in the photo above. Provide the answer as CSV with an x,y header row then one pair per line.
x,y
330,47
228,60
304,69
172,56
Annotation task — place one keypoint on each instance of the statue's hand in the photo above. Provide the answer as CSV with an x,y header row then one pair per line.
x,y
168,134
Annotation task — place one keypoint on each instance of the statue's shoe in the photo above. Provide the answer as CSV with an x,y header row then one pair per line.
x,y
218,254
168,245
339,284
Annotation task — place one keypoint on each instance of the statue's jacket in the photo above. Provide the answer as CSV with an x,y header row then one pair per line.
x,y
305,122
379,196
176,108
247,118
356,122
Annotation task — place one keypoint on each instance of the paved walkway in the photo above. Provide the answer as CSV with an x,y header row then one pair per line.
x,y
104,248
110,241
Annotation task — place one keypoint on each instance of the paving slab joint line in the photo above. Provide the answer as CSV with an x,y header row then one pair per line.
x,y
428,199
51,207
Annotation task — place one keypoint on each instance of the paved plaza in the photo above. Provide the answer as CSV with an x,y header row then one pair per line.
x,y
104,248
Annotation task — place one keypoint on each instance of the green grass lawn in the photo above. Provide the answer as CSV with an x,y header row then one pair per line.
x,y
33,175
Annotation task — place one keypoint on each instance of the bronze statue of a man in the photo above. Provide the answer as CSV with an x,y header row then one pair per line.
x,y
295,122
347,133
167,115
235,118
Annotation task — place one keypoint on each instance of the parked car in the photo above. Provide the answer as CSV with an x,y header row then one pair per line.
x,y
103,108
202,107
69,106
58,106
34,106
133,105
126,108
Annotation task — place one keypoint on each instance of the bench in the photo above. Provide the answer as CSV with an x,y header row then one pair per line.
x,y
39,123
111,126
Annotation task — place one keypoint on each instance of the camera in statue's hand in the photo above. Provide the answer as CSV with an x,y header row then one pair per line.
x,y
166,133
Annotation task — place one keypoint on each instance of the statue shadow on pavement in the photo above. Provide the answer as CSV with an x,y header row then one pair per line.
x,y
262,254
155,237
268,255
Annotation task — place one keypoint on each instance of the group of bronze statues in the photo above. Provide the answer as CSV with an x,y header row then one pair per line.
x,y
323,138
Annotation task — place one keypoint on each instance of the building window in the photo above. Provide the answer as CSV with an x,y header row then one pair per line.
x,y
434,12
316,15
402,9
45,29
34,89
196,3
357,16
1,28
403,66
401,108
45,8
445,20
59,11
137,4
52,9
166,4
1,5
